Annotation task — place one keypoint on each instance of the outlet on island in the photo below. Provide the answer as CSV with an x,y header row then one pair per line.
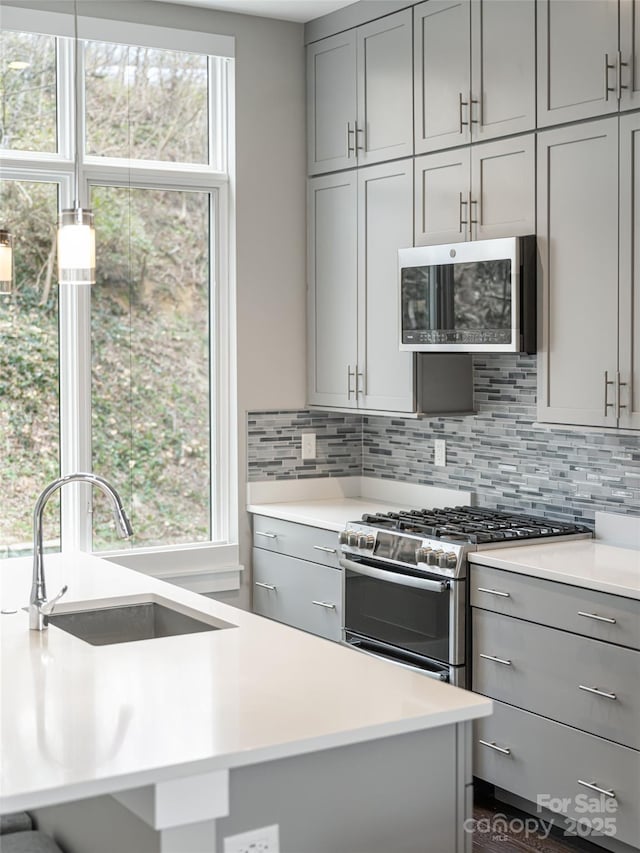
x,y
308,445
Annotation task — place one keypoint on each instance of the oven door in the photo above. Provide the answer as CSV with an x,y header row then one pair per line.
x,y
417,614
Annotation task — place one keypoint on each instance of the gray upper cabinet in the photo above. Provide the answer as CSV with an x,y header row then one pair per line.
x,y
477,192
579,67
359,96
331,103
630,54
474,71
628,377
358,220
385,224
589,240
332,301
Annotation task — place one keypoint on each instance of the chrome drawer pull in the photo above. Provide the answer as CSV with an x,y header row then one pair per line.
x,y
326,604
493,745
594,787
495,592
267,535
597,618
595,690
496,660
266,585
325,549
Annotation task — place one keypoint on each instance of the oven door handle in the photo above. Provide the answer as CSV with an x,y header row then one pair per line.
x,y
430,673
394,577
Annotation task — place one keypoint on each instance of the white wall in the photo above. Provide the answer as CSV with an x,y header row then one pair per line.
x,y
269,201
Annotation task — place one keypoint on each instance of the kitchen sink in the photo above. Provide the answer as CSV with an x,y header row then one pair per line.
x,y
128,623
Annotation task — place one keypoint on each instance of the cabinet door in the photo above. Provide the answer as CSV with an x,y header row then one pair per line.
x,y
385,89
630,54
503,71
578,247
442,188
332,289
385,224
331,103
577,46
503,188
629,393
442,76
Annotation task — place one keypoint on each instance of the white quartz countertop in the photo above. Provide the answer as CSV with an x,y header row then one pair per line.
x,y
332,514
584,562
80,720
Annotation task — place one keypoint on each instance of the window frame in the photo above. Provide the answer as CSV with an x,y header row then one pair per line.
x,y
220,553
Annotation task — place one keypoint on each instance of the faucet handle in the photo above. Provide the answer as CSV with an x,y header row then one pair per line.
x,y
46,608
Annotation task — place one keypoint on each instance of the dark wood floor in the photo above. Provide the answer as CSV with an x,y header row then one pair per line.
x,y
516,839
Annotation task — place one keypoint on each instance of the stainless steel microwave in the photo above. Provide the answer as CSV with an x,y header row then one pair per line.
x,y
469,297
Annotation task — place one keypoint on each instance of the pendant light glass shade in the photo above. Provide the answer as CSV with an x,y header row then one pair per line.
x,y
76,247
6,261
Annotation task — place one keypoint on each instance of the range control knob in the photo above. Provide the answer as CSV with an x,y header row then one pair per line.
x,y
343,537
365,541
422,554
432,558
452,560
352,539
447,561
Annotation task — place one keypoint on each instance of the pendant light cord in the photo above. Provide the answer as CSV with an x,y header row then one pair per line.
x,y
76,67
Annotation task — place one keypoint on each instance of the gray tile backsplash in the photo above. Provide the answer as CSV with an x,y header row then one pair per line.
x,y
499,454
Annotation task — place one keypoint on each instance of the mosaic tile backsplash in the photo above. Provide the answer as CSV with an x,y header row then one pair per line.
x,y
498,454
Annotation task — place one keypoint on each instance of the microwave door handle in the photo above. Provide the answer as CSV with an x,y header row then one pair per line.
x,y
394,577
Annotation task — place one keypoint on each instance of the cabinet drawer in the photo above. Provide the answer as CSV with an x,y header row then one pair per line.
x,y
582,611
557,674
298,593
296,540
547,758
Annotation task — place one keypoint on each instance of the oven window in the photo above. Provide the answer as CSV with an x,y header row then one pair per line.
x,y
412,619
462,297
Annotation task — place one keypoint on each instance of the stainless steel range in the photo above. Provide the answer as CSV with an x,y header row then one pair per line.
x,y
406,581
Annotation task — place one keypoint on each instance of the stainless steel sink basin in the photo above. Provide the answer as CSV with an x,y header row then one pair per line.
x,y
128,623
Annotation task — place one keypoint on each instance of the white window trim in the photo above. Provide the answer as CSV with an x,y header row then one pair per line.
x,y
218,557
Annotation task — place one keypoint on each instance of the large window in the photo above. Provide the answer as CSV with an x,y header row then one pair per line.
x,y
126,378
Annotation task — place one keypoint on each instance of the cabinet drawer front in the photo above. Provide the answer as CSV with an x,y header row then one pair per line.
x,y
582,611
547,758
296,540
584,683
298,593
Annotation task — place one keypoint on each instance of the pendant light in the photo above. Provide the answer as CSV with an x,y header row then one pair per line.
x,y
6,261
76,234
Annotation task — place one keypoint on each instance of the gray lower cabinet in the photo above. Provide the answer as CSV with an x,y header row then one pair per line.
x,y
563,664
296,577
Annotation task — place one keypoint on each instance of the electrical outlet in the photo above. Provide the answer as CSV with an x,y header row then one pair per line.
x,y
440,452
263,840
308,445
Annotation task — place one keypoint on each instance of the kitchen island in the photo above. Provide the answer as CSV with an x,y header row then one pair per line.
x,y
176,743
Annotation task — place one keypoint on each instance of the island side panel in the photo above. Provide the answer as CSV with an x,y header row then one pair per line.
x,y
401,793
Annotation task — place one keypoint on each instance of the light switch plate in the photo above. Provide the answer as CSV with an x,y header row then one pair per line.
x,y
440,452
308,445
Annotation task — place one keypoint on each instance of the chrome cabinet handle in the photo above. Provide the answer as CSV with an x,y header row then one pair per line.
x,y
350,373
596,617
360,391
473,101
364,137
350,148
267,535
497,660
594,787
472,221
619,386
619,66
265,585
462,104
325,549
461,220
326,604
494,592
607,67
607,382
597,692
492,745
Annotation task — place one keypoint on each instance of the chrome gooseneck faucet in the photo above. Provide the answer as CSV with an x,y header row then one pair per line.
x,y
39,606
